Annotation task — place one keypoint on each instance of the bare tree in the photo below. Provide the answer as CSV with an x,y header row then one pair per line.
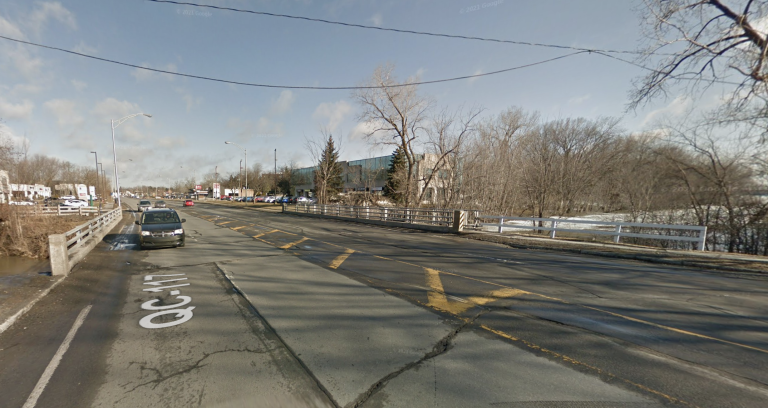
x,y
704,43
720,182
447,135
491,167
397,113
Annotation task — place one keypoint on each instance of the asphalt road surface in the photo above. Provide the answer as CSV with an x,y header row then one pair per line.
x,y
263,309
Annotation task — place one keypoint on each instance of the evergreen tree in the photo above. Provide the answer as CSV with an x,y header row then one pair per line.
x,y
395,175
328,181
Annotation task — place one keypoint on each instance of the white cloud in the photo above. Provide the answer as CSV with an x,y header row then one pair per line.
x,y
678,107
282,104
7,132
361,130
130,134
332,112
190,100
111,108
477,72
38,19
65,112
264,127
377,19
24,62
170,142
9,110
9,29
79,85
579,99
146,75
80,142
84,48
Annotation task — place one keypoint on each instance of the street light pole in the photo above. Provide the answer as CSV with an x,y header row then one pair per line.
x,y
275,173
103,180
114,151
97,177
246,165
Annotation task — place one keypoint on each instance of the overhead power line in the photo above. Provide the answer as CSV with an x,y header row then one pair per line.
x,y
326,88
369,27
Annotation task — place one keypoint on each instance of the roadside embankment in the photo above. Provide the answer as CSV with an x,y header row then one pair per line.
x,y
23,234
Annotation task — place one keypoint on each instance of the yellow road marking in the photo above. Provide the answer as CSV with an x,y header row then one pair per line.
x,y
436,296
341,258
681,331
482,300
237,228
265,233
495,295
576,362
286,246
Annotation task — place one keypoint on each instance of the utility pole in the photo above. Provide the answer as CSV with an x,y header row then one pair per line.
x,y
97,178
275,190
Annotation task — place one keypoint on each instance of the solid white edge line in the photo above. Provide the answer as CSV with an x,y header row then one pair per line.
x,y
48,373
11,320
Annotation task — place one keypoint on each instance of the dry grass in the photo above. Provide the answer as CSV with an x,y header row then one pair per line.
x,y
27,235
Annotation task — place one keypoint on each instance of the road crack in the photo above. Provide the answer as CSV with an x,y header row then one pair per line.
x,y
443,345
195,366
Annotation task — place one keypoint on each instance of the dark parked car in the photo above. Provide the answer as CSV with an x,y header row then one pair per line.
x,y
248,199
161,228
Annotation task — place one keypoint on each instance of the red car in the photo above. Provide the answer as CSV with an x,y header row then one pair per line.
x,y
189,203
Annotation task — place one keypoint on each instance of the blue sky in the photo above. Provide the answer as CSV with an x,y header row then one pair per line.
x,y
63,103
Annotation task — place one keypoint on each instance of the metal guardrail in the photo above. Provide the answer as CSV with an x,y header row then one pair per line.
x,y
58,210
387,214
555,225
77,235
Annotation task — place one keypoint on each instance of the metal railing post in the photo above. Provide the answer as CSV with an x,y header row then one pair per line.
x,y
501,223
554,226
617,237
702,239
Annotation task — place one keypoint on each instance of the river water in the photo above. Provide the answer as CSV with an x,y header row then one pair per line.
x,y
16,265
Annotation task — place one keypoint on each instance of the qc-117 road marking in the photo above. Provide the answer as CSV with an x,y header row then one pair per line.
x,y
182,315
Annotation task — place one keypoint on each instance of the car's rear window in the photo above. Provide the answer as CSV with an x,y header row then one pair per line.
x,y
144,202
160,218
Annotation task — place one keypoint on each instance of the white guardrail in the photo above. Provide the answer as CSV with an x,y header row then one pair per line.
x,y
555,225
387,214
70,247
58,210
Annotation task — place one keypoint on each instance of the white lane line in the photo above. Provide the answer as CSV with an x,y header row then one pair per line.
x,y
11,320
48,373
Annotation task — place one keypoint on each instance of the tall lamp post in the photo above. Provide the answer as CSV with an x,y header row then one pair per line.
x,y
246,165
97,177
116,123
103,180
